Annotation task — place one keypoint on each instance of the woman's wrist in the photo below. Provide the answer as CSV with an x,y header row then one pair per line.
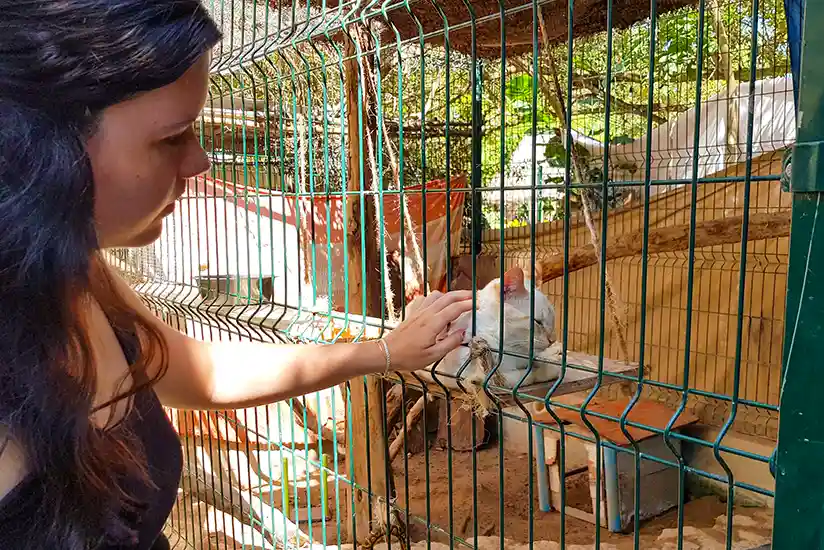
x,y
365,358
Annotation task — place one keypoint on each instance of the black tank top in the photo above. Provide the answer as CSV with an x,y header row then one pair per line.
x,y
161,444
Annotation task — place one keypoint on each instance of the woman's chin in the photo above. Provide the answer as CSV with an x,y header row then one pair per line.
x,y
149,235
144,238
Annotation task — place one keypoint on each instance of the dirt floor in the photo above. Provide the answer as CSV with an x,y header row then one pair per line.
x,y
705,517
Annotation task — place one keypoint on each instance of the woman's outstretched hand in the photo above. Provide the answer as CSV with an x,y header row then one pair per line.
x,y
422,338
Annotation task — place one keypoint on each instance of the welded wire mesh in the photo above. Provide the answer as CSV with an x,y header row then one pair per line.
x,y
625,155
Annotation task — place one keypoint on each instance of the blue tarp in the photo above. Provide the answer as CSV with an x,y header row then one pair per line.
x,y
794,10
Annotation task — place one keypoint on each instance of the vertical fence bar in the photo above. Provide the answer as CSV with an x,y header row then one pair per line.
x,y
799,513
476,83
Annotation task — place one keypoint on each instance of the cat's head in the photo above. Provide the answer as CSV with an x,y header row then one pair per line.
x,y
516,292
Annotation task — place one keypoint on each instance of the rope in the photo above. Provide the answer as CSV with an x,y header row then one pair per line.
x,y
612,300
389,295
409,226
480,365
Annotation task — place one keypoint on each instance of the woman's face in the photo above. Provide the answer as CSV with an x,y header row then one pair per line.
x,y
142,153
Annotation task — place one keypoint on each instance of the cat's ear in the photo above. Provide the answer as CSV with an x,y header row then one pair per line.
x,y
539,274
514,280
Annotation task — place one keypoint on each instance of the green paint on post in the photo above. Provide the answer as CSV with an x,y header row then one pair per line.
x,y
799,509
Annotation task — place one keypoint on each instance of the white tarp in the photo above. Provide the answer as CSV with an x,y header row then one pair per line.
x,y
673,142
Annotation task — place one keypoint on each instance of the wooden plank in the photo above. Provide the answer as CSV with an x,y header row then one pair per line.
x,y
367,438
319,513
647,412
575,379
585,516
460,420
367,453
670,239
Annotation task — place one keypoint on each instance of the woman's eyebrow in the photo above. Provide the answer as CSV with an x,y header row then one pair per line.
x,y
180,125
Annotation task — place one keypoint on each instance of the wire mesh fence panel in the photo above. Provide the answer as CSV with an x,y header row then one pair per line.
x,y
605,176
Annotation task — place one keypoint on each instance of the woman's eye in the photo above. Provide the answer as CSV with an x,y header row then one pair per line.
x,y
177,139
180,138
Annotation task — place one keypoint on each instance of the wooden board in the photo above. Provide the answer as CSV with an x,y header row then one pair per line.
x,y
319,513
647,412
577,380
708,233
365,451
574,380
460,420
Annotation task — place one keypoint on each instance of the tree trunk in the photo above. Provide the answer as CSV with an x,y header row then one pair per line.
x,y
460,420
726,72
394,405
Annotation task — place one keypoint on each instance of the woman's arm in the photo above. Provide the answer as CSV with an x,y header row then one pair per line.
x,y
229,375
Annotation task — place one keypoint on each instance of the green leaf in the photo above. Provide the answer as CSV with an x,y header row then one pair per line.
x,y
519,88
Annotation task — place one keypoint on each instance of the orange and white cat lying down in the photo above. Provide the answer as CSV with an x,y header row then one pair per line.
x,y
516,333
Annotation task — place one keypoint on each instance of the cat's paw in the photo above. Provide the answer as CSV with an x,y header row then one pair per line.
x,y
543,371
553,352
555,349
545,367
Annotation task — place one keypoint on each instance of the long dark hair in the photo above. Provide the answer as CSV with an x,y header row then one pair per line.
x,y
61,63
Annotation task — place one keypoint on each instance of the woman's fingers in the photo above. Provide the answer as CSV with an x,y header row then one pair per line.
x,y
451,313
428,332
430,298
440,349
451,297
414,306
436,301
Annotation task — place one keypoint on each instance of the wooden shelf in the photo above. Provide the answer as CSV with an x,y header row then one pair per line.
x,y
645,412
575,379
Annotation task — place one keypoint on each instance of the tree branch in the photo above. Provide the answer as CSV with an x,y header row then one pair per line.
x,y
639,109
671,239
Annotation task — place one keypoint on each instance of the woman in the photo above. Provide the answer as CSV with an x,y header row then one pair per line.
x,y
97,104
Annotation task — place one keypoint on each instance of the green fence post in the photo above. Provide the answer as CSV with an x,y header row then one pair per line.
x,y
799,499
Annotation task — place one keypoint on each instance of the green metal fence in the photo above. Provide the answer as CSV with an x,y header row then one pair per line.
x,y
627,156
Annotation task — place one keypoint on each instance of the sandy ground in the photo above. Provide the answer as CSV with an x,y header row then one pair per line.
x,y
705,519
705,515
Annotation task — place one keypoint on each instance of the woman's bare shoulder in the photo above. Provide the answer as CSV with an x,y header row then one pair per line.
x,y
13,468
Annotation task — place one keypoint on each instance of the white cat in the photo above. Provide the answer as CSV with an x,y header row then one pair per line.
x,y
516,333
